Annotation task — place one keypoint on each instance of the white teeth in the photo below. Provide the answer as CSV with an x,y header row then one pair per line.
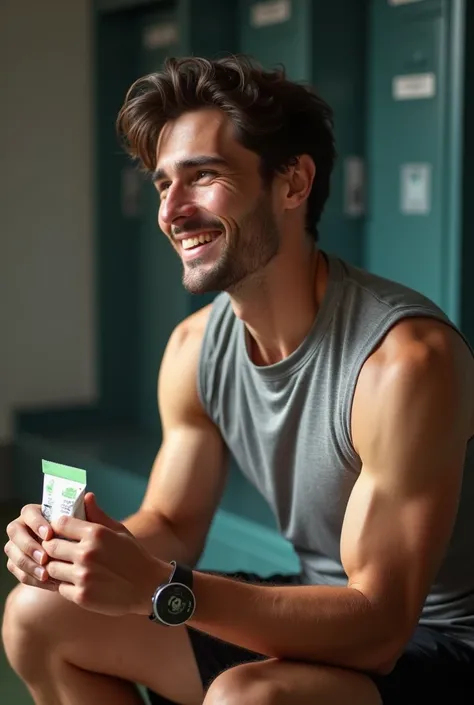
x,y
190,242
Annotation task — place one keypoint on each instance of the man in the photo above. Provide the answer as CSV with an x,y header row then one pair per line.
x,y
347,399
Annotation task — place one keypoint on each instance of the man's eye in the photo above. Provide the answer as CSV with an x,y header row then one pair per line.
x,y
205,174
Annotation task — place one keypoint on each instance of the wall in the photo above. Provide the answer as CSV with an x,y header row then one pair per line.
x,y
46,207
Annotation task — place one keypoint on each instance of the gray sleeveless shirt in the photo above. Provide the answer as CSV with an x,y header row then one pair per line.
x,y
288,427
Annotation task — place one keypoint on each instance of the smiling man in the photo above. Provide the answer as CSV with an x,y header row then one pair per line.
x,y
228,232
346,399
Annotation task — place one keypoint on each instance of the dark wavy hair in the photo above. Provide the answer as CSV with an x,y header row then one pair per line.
x,y
272,116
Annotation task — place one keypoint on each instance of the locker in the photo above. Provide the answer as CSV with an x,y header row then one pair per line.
x,y
464,186
181,29
394,77
278,32
410,153
141,297
322,44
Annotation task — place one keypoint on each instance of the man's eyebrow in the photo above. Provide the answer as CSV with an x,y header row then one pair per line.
x,y
191,163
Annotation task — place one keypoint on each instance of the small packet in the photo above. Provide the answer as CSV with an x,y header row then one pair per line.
x,y
64,489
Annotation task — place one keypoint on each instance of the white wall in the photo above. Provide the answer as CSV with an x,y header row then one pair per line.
x,y
47,341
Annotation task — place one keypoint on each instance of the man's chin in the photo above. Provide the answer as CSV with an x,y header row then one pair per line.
x,y
196,286
200,283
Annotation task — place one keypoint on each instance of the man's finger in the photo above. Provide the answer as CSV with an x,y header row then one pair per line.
x,y
24,563
61,550
31,515
25,579
19,534
70,527
64,572
71,593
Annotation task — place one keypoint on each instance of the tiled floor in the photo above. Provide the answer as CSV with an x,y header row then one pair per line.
x,y
12,690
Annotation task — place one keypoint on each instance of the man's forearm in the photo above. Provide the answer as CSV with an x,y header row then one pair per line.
x,y
159,538
322,624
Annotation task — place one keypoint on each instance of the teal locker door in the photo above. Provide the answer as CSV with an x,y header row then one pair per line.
x,y
406,233
339,75
162,299
278,32
322,44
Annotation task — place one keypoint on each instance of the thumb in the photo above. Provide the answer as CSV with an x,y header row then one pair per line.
x,y
96,515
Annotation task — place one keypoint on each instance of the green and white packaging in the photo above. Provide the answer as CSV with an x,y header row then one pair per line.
x,y
63,491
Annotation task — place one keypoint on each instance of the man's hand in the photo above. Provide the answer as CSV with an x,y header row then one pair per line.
x,y
26,558
102,567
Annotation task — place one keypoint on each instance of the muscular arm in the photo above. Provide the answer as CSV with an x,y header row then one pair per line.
x,y
412,416
188,475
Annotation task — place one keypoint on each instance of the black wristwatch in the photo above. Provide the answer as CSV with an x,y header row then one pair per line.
x,y
174,603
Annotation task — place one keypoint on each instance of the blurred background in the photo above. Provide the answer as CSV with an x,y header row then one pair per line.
x,y
89,291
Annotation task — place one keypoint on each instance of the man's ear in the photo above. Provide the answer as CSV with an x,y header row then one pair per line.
x,y
299,179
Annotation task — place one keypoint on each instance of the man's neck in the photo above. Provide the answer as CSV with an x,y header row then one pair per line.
x,y
279,306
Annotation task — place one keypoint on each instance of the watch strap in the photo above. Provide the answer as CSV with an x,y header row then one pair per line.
x,y
181,574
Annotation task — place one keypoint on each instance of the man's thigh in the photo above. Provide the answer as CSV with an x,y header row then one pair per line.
x,y
432,666
237,676
132,648
433,669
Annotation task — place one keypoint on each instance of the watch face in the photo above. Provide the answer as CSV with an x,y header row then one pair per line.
x,y
174,604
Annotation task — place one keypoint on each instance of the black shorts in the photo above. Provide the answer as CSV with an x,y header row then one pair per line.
x,y
434,668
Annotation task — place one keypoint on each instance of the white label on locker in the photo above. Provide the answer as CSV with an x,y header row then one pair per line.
x,y
354,183
263,14
402,2
416,189
414,86
160,35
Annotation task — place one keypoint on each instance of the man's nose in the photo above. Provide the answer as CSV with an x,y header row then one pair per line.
x,y
177,204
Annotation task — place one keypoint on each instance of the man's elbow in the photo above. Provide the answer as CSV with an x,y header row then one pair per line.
x,y
387,631
383,663
387,648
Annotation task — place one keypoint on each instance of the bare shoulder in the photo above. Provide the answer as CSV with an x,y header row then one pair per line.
x,y
416,356
177,382
423,343
187,337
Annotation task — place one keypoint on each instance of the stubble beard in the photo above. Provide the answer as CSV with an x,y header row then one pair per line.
x,y
253,246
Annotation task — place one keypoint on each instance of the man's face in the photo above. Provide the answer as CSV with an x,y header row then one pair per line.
x,y
213,206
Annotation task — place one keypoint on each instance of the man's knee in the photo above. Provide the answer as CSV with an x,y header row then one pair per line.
x,y
242,684
27,622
